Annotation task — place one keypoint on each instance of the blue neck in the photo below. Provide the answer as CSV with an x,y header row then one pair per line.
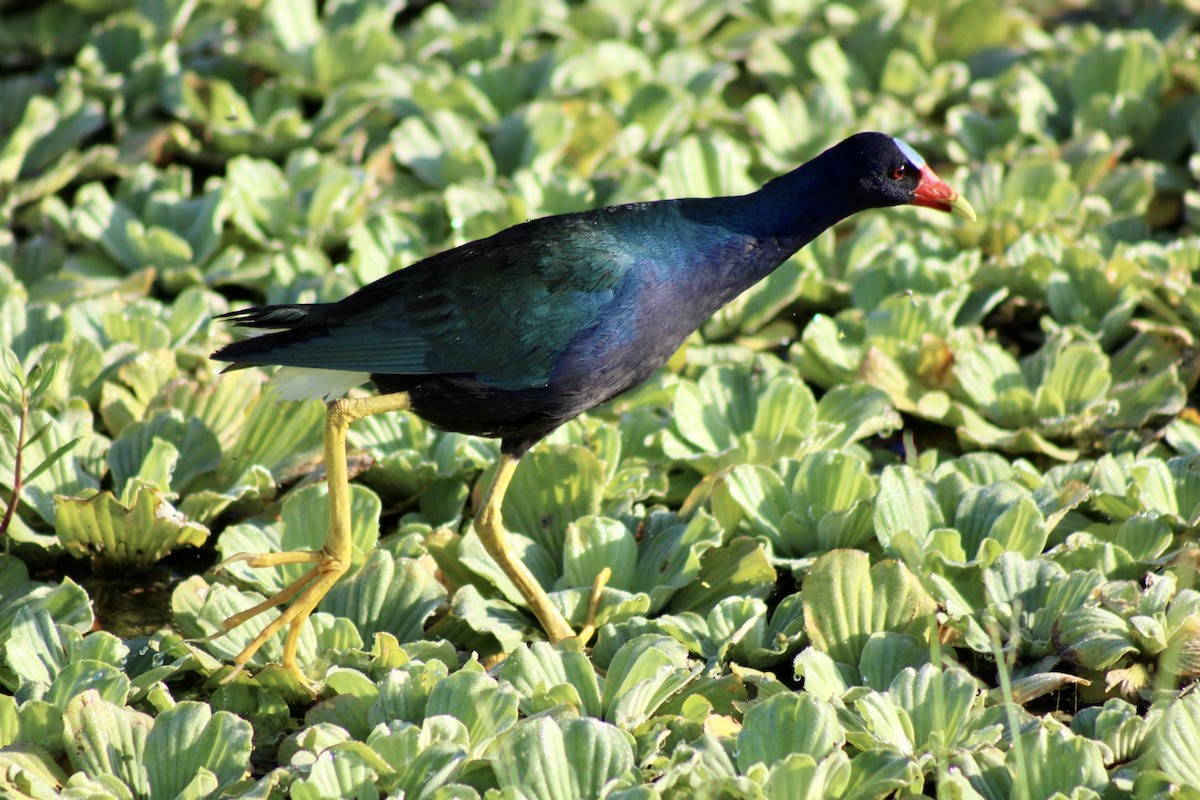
x,y
741,240
800,205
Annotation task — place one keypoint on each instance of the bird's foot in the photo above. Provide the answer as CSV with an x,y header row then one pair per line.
x,y
303,594
589,626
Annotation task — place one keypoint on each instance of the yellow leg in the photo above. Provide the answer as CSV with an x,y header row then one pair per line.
x,y
490,527
589,626
332,560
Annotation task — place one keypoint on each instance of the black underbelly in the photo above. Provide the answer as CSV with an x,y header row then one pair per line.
x,y
602,362
520,418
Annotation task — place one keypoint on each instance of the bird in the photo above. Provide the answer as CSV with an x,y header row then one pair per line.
x,y
515,334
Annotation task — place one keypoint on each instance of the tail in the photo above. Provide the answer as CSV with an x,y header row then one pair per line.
x,y
289,328
283,317
286,325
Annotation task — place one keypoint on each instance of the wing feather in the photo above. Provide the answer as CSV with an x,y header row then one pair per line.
x,y
501,309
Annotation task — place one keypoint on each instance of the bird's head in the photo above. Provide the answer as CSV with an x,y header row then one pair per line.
x,y
890,173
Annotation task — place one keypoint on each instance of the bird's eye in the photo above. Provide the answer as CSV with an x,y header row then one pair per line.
x,y
899,172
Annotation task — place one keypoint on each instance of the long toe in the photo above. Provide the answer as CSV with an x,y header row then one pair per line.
x,y
597,594
262,560
301,597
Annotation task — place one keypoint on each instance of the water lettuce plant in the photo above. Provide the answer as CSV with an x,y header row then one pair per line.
x,y
914,517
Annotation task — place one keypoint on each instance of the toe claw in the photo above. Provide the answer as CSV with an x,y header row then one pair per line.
x,y
238,669
233,559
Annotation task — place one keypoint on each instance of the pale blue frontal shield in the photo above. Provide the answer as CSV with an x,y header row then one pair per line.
x,y
910,154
